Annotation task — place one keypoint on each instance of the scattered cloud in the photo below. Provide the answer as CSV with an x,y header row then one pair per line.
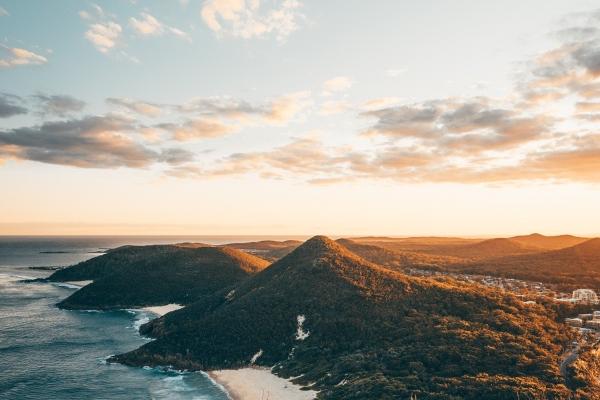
x,y
277,111
380,102
203,128
3,12
337,84
58,105
248,18
472,139
148,25
334,107
15,56
476,124
135,106
104,33
284,108
11,105
89,142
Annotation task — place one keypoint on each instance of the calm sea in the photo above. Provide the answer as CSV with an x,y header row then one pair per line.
x,y
47,353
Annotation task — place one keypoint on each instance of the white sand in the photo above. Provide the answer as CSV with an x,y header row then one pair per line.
x,y
162,310
78,283
259,384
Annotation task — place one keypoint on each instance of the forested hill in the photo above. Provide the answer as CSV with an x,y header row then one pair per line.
x,y
156,275
355,330
570,268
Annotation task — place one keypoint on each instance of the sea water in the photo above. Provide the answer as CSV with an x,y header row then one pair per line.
x,y
48,353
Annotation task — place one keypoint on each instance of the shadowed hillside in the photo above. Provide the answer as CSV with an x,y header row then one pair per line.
x,y
355,330
156,275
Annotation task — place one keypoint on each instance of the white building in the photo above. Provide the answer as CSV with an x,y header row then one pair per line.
x,y
585,317
593,324
574,322
585,296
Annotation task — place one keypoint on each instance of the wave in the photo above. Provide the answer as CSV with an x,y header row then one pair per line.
x,y
7,278
216,384
65,285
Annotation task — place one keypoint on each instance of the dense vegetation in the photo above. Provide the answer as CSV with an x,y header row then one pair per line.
x,y
368,332
395,259
156,275
583,373
271,250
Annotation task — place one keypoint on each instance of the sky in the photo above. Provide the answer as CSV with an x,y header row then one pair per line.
x,y
299,117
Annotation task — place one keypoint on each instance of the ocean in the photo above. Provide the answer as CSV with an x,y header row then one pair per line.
x,y
47,353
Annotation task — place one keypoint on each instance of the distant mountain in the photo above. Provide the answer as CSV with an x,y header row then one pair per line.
x,y
356,330
572,267
485,249
417,243
156,275
548,242
397,259
268,249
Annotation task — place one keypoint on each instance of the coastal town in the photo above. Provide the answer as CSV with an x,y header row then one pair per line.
x,y
530,292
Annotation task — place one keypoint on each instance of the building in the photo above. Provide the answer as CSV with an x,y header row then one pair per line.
x,y
574,322
593,324
585,296
585,317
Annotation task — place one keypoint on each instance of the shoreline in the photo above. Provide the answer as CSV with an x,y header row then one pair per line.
x,y
256,383
79,284
162,310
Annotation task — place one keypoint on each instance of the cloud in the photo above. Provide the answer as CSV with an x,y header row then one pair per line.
x,y
334,107
89,142
3,12
58,105
15,56
104,35
337,84
587,107
148,25
284,108
303,156
380,102
197,129
135,106
10,105
248,19
277,111
472,125
573,68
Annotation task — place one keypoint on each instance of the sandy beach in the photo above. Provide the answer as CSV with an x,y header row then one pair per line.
x,y
259,384
162,310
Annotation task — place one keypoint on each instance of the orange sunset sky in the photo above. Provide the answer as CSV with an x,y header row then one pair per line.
x,y
296,117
